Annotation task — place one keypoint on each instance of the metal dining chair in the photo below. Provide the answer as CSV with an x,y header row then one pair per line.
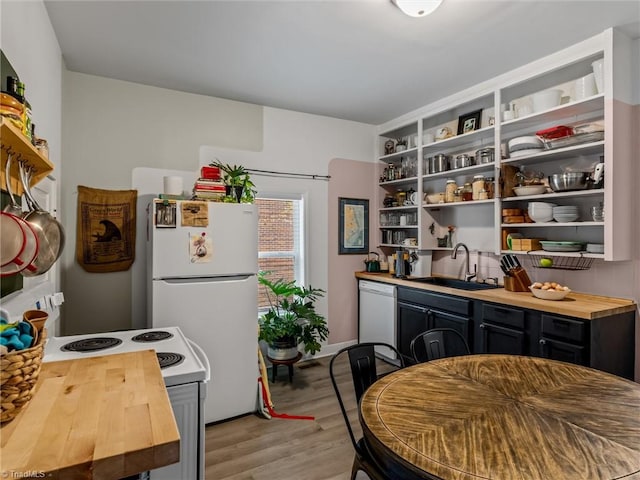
x,y
438,343
364,372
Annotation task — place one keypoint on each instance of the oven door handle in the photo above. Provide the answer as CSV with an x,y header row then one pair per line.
x,y
203,357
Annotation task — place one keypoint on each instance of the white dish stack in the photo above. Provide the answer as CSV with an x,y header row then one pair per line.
x,y
568,213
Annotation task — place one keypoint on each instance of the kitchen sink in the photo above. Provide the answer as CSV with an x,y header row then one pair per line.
x,y
452,283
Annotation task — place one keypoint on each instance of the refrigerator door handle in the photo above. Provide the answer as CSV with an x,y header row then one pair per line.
x,y
221,278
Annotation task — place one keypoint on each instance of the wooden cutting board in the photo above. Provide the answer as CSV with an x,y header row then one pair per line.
x,y
102,417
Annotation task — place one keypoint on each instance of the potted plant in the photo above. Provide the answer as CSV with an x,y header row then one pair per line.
x,y
237,181
291,320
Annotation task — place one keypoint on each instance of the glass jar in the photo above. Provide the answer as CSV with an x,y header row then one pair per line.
x,y
401,197
43,147
457,195
478,186
467,192
391,172
489,186
450,191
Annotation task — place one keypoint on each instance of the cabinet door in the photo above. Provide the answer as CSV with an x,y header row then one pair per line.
x,y
565,352
412,320
462,325
497,339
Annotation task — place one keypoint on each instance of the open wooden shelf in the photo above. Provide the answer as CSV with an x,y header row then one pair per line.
x,y
15,143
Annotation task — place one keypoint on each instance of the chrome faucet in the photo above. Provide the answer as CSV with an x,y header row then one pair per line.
x,y
468,275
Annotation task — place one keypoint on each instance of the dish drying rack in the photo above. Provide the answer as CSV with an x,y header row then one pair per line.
x,y
579,262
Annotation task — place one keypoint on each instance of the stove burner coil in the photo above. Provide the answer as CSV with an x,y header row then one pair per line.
x,y
169,359
153,336
91,344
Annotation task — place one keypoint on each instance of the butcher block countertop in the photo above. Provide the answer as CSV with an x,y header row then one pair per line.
x,y
102,417
579,305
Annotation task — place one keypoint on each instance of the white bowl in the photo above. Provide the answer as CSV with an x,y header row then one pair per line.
x,y
526,143
435,197
529,190
549,294
541,205
538,217
546,99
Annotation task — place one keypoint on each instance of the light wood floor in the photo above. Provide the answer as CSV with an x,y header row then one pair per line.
x,y
255,448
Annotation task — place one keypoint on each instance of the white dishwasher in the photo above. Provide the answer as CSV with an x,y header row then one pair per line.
x,y
377,315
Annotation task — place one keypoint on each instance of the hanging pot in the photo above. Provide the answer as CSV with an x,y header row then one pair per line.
x,y
19,241
49,231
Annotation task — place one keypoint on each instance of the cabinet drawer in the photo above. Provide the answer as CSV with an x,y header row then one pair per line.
x,y
447,303
563,328
503,315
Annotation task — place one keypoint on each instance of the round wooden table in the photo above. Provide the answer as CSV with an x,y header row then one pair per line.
x,y
503,417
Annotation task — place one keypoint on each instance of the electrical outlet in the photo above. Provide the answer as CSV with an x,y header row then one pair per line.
x,y
58,299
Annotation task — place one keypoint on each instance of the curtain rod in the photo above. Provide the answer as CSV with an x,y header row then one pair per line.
x,y
271,173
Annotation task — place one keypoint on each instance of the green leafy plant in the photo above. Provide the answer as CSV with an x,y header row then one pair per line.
x,y
292,314
237,176
233,175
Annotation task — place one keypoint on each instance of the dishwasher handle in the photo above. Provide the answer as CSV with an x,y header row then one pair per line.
x,y
377,288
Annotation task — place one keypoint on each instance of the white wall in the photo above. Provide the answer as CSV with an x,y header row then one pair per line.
x,y
114,127
28,41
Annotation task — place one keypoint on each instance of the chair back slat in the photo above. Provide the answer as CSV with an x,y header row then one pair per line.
x,y
362,359
438,343
362,364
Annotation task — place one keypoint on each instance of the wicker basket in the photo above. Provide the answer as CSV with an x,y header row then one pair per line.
x,y
19,371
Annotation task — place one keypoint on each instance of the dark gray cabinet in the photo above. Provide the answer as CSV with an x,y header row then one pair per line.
x,y
502,329
606,343
419,310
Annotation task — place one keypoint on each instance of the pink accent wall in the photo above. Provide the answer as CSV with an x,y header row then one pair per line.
x,y
351,179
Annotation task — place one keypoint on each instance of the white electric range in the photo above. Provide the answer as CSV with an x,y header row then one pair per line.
x,y
186,372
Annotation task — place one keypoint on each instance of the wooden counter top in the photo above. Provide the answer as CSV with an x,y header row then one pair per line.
x,y
579,305
102,417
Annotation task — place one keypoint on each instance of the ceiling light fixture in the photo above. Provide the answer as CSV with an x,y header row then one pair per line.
x,y
417,8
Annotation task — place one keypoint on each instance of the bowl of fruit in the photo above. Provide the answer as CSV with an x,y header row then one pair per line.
x,y
549,290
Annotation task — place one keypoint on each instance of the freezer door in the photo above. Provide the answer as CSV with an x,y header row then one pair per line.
x,y
222,317
231,246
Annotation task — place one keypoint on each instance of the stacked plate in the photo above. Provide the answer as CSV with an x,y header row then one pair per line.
x,y
527,145
595,247
568,213
549,246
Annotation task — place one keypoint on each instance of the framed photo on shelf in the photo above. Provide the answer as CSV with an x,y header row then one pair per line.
x,y
469,122
353,229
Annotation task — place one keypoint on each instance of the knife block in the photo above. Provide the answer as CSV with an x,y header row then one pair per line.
x,y
518,281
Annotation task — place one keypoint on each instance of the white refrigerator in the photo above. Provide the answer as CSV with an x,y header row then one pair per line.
x,y
202,260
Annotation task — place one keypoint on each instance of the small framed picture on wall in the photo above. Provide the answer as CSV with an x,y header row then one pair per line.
x,y
353,226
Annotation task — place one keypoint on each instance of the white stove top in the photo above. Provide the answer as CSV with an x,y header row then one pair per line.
x,y
192,368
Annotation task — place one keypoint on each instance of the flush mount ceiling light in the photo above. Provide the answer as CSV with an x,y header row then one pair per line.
x,y
417,8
